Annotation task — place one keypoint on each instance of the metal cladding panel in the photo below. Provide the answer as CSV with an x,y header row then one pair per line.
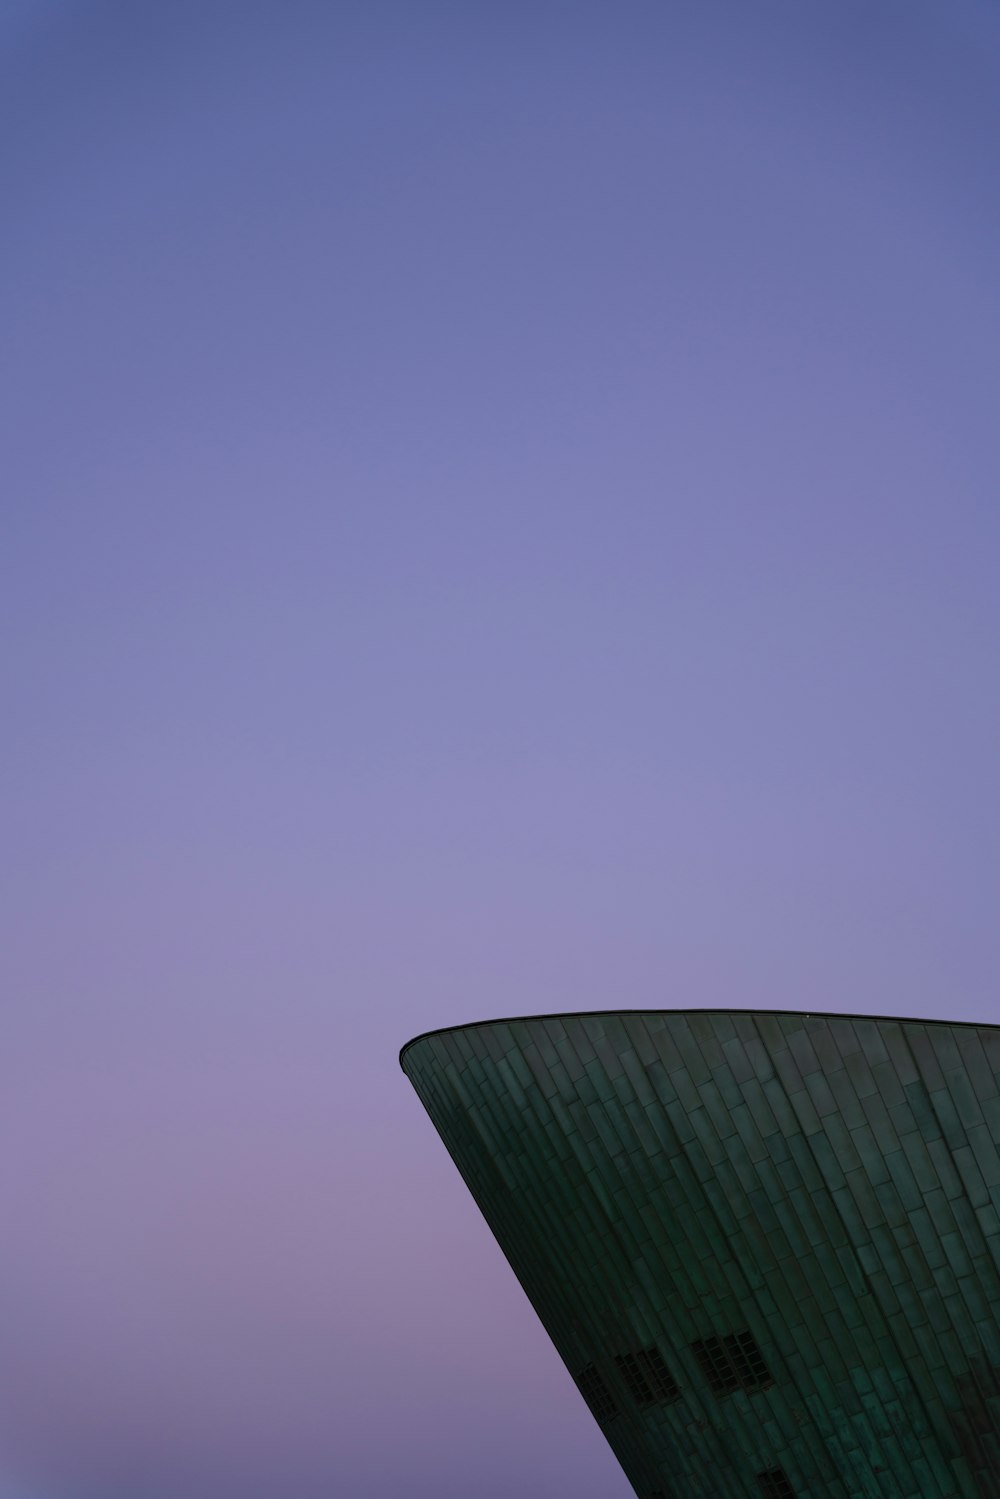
x,y
766,1245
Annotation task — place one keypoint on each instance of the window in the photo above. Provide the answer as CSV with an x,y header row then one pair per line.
x,y
733,1362
665,1386
634,1378
774,1484
647,1377
597,1395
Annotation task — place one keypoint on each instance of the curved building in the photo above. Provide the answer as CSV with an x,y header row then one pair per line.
x,y
765,1245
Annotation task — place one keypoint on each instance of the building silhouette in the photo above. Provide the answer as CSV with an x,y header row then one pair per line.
x,y
765,1245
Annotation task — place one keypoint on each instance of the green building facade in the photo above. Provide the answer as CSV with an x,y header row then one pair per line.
x,y
765,1245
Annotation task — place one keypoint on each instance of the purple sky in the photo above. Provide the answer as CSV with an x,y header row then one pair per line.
x,y
500,515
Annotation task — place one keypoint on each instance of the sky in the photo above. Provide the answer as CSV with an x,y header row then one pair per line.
x,y
499,515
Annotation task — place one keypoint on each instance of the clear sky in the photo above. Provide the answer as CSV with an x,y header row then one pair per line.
x,y
500,514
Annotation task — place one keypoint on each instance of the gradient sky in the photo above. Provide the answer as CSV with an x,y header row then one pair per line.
x,y
500,514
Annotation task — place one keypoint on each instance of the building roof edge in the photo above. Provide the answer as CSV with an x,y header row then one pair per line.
x,y
470,1025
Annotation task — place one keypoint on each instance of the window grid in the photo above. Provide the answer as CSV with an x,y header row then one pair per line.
x,y
774,1484
733,1362
597,1395
635,1379
647,1377
662,1382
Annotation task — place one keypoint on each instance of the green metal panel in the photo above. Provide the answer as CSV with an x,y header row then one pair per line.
x,y
766,1245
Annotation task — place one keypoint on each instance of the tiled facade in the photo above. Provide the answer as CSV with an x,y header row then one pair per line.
x,y
766,1246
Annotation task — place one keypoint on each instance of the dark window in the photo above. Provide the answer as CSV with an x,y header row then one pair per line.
x,y
596,1393
635,1378
715,1366
663,1383
774,1484
748,1361
647,1377
732,1363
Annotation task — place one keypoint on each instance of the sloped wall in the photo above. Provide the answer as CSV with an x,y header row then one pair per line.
x,y
766,1246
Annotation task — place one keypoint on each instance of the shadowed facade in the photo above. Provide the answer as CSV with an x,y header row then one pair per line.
x,y
765,1245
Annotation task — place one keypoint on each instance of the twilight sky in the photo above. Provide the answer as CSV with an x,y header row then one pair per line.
x,y
500,514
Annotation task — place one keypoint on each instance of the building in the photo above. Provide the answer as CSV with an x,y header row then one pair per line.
x,y
765,1245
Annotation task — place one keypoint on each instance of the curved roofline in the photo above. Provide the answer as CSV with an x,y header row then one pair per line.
x,y
473,1025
